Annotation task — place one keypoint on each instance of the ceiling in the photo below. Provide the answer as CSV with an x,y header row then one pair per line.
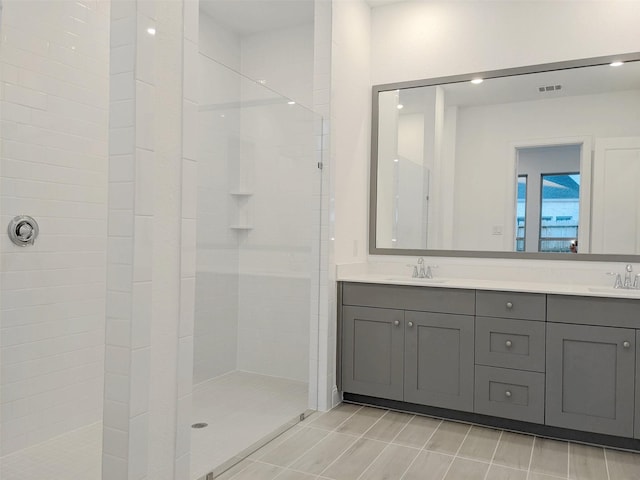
x,y
576,81
247,17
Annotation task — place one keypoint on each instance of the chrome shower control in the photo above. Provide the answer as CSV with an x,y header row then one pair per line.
x,y
23,230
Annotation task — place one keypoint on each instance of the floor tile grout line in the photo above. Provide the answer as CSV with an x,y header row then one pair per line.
x,y
495,450
422,448
354,442
388,444
606,463
533,446
456,455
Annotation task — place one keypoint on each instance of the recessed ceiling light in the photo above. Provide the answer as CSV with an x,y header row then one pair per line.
x,y
476,81
396,160
291,102
400,106
151,31
616,64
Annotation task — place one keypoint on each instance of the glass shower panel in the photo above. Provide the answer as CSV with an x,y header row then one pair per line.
x,y
257,265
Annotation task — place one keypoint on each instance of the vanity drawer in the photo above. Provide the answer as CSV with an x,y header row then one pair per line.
x,y
599,311
508,393
525,306
502,342
426,299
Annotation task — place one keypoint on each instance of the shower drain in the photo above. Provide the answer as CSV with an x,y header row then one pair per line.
x,y
199,425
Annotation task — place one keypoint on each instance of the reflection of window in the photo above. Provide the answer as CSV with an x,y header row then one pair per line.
x,y
559,211
521,210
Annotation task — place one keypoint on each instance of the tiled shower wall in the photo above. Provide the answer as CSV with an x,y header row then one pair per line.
x,y
55,63
243,321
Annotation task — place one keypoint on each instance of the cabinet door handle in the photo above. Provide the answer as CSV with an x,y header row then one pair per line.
x,y
626,344
410,324
509,305
396,322
507,393
508,344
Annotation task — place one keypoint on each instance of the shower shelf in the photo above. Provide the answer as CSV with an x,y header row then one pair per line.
x,y
241,227
240,193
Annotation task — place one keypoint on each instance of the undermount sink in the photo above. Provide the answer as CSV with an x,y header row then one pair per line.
x,y
618,291
417,279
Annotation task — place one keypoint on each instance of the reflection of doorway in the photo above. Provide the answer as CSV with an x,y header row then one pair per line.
x,y
616,198
548,198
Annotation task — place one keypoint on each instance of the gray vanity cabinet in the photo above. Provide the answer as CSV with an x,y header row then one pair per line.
x,y
373,351
590,378
439,365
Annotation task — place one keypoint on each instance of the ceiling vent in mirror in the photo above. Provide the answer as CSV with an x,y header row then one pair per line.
x,y
549,88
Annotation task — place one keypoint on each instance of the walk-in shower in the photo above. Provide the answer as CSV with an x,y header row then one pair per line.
x,y
92,316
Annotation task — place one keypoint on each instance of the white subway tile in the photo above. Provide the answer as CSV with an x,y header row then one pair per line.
x,y
145,181
140,375
122,141
146,49
113,467
142,250
189,189
138,447
145,115
141,320
116,387
122,86
115,442
123,23
122,114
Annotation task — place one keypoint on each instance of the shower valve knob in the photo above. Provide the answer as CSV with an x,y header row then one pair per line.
x,y
23,230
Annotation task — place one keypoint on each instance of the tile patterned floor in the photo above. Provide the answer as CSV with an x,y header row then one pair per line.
x,y
363,443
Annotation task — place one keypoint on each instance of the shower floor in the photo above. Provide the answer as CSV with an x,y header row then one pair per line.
x,y
240,408
72,456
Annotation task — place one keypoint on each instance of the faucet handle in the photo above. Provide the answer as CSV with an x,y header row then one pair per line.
x,y
429,273
618,281
636,281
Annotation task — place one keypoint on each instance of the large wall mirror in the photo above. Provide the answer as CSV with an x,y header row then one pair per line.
x,y
536,162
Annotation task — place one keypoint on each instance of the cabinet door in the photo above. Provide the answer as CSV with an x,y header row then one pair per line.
x,y
439,360
372,351
590,378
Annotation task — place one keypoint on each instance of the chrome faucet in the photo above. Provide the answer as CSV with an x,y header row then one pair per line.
x,y
420,270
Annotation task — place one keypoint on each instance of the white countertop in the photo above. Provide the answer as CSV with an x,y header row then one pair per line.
x,y
477,284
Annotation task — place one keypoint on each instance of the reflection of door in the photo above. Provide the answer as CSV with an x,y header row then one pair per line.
x,y
615,223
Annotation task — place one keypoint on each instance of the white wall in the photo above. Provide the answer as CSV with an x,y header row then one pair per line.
x,y
53,166
425,39
486,169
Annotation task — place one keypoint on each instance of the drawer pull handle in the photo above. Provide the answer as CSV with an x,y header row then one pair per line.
x,y
507,394
509,305
410,324
626,344
396,322
508,344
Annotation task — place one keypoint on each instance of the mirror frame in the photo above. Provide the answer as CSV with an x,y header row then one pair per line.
x,y
373,177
